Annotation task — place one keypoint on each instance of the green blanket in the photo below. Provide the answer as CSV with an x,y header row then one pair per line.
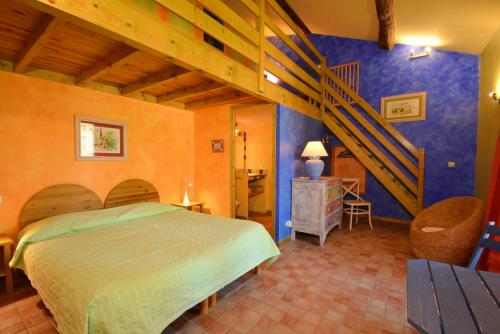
x,y
136,268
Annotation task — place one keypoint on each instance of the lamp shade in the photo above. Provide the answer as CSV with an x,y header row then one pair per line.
x,y
314,149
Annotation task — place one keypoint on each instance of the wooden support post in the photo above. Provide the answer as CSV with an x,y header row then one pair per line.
x,y
386,34
212,300
204,307
261,29
323,87
421,179
48,26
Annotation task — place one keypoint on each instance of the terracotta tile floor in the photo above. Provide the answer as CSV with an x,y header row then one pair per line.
x,y
355,284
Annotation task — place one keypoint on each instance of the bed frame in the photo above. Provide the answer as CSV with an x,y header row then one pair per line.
x,y
67,198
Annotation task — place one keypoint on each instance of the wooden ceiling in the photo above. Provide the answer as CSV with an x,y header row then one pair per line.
x,y
35,43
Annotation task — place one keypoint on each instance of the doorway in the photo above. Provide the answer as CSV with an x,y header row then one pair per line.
x,y
253,160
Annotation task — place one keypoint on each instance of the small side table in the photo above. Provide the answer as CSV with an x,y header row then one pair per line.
x,y
6,243
189,206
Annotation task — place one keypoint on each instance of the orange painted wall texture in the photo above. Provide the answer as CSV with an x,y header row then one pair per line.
x,y
212,172
37,143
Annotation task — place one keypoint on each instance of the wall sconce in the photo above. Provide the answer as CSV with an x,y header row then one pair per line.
x,y
494,96
426,52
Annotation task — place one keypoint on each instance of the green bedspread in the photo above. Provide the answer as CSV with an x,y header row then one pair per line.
x,y
136,268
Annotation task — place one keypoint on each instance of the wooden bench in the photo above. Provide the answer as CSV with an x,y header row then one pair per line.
x,y
450,299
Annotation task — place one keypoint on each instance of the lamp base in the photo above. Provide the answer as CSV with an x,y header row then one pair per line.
x,y
314,167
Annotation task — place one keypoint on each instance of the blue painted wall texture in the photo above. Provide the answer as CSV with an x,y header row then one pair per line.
x,y
451,81
294,130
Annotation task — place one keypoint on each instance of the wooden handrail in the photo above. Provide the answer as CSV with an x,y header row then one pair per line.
x,y
373,131
277,8
376,116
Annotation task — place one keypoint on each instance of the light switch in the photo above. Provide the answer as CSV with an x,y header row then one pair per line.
x,y
451,164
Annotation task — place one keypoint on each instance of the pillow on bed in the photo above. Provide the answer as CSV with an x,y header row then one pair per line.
x,y
69,223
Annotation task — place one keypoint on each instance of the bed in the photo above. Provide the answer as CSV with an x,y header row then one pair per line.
x,y
130,268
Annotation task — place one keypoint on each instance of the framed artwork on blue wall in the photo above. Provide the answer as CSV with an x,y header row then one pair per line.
x,y
404,108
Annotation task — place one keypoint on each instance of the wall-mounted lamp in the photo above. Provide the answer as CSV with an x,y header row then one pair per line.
x,y
424,53
494,96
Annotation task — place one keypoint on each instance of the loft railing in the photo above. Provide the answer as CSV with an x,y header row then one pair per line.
x,y
349,74
249,34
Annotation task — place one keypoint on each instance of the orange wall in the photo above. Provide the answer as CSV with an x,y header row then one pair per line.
x,y
212,173
37,143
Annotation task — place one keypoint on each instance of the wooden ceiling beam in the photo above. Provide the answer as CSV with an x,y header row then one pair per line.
x,y
190,91
214,101
38,40
116,59
156,79
386,30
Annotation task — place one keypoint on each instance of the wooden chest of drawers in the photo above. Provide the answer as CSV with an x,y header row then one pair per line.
x,y
316,206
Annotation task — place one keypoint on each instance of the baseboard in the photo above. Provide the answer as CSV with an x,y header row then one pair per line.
x,y
391,220
284,241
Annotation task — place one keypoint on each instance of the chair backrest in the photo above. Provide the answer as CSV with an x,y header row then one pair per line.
x,y
486,242
350,186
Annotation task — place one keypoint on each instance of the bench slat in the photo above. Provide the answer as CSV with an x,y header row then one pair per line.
x,y
453,308
421,305
492,280
482,304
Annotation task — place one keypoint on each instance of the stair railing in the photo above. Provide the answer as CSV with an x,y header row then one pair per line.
x,y
338,93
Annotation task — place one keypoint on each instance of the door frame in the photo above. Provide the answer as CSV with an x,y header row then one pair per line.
x,y
232,159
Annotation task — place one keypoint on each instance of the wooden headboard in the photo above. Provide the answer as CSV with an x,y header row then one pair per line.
x,y
56,200
131,191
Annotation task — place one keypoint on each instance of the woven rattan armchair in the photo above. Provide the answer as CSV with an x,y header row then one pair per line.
x,y
448,230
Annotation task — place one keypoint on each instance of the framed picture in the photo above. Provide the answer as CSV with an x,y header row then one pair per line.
x,y
100,139
404,108
217,146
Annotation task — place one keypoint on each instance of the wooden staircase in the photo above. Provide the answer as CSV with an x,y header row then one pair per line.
x,y
382,149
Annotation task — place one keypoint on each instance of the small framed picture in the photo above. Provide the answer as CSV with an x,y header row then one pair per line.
x,y
100,139
217,146
404,108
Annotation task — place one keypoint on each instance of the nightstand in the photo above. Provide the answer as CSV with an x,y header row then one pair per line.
x,y
189,206
6,243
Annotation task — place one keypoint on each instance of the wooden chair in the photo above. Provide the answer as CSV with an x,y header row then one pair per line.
x,y
355,207
486,242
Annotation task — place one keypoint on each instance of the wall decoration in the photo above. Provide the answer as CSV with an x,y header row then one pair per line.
x,y
217,146
99,139
404,108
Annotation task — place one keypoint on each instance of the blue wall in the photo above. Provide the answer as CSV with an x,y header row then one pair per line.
x,y
294,130
451,81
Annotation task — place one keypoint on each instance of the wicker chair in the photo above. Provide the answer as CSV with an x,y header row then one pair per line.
x,y
448,230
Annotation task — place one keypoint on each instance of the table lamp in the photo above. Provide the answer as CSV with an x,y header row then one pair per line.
x,y
314,165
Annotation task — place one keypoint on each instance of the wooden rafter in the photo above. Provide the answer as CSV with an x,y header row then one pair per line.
x,y
116,59
214,101
145,30
156,79
48,26
190,91
386,33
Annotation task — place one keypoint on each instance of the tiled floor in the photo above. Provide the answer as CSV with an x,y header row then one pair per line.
x,y
355,284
